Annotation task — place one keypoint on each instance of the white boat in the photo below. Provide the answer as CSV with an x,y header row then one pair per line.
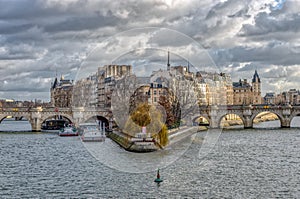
x,y
68,131
91,133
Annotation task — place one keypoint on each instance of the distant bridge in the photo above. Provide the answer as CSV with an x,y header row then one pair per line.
x,y
213,114
36,116
247,113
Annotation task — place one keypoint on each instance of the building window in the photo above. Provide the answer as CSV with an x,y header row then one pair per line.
x,y
154,92
154,99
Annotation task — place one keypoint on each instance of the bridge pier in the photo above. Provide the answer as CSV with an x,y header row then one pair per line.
x,y
248,122
214,117
78,115
35,121
285,122
36,125
214,122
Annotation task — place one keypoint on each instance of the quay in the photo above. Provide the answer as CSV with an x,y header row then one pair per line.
x,y
133,144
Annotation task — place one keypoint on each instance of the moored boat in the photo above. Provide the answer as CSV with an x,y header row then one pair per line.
x,y
93,137
68,131
54,125
91,133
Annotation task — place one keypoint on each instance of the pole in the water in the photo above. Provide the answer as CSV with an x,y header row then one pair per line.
x,y
158,180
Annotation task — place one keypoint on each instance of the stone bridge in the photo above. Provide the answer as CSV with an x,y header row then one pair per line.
x,y
36,116
214,114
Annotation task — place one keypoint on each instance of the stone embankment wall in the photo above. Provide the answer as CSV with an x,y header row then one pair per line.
x,y
132,146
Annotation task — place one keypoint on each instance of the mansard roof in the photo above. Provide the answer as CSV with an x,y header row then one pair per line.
x,y
241,84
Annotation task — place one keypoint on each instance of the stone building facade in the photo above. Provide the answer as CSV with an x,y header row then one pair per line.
x,y
215,88
85,92
291,97
61,92
107,77
245,93
96,90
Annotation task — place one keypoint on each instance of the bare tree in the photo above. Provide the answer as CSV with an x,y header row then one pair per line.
x,y
186,95
120,98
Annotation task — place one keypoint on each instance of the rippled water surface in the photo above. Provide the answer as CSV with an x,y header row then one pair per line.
x,y
256,163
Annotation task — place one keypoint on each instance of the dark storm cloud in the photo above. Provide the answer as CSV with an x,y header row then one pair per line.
x,y
9,28
273,53
266,24
22,9
82,23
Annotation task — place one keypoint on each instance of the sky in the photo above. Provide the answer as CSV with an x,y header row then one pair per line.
x,y
41,39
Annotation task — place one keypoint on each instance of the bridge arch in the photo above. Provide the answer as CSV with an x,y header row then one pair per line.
x,y
95,117
101,120
293,117
20,115
66,116
279,116
202,119
232,119
2,117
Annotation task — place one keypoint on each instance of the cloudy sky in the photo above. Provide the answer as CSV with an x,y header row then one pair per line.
x,y
42,38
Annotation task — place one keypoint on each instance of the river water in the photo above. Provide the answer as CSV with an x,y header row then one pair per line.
x,y
254,163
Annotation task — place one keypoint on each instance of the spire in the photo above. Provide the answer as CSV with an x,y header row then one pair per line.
x,y
188,67
256,77
54,83
168,61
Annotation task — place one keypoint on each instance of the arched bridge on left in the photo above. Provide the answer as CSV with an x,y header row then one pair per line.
x,y
36,116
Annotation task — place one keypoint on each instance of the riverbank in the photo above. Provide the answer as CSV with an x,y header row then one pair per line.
x,y
176,135
182,133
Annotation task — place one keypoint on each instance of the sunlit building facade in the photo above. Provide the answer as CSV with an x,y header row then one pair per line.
x,y
245,93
